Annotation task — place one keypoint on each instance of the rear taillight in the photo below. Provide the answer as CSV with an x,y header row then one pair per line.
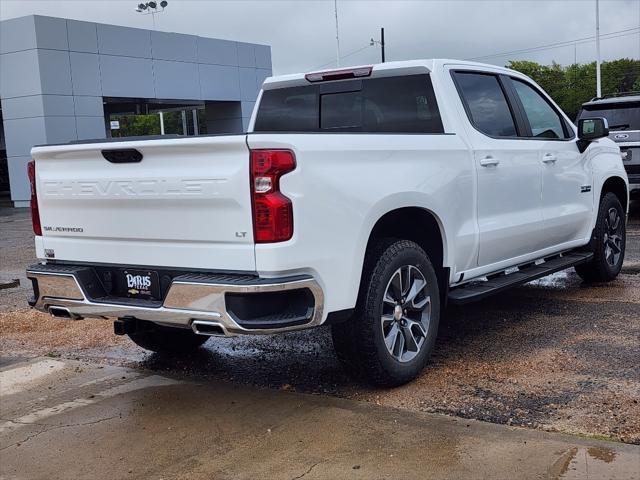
x,y
272,211
35,213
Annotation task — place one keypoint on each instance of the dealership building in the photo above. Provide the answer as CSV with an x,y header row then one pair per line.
x,y
64,80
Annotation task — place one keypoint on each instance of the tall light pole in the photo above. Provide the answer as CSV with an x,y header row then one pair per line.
x,y
152,8
598,78
335,11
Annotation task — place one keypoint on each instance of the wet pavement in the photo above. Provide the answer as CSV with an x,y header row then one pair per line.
x,y
16,251
554,355
64,419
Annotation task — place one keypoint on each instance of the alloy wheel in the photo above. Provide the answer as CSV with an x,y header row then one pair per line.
x,y
406,313
612,237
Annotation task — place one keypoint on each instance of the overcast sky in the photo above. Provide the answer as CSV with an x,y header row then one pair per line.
x,y
302,33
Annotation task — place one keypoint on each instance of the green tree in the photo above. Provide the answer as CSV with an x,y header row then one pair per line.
x,y
132,125
573,85
136,125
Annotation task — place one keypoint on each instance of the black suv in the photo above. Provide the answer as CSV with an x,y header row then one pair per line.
x,y
622,111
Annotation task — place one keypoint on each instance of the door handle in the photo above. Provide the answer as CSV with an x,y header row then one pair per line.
x,y
489,161
549,158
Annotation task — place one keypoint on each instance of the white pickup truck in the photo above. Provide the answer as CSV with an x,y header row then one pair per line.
x,y
364,198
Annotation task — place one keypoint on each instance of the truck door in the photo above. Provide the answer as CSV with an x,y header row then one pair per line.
x,y
567,196
508,169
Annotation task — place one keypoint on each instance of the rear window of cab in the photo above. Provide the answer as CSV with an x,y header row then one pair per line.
x,y
400,104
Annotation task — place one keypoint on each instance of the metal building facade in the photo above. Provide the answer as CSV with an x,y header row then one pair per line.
x,y
57,77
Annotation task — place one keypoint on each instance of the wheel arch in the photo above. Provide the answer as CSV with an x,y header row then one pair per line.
x,y
419,225
618,187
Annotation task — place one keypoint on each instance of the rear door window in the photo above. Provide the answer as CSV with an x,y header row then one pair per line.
x,y
486,104
401,104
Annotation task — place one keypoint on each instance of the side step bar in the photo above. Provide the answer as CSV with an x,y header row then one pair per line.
x,y
474,291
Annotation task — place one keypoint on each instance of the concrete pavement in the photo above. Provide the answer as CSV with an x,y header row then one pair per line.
x,y
63,419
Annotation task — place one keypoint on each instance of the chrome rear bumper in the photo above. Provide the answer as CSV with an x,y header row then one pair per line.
x,y
191,297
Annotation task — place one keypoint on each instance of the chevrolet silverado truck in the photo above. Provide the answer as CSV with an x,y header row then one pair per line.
x,y
364,198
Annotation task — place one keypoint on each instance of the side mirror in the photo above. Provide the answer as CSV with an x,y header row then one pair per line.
x,y
590,129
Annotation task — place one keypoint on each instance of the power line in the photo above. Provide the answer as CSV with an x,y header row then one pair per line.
x,y
577,41
564,43
610,37
343,57
561,44
634,31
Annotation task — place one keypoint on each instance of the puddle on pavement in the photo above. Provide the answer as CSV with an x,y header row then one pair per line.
x,y
555,280
604,454
578,463
303,342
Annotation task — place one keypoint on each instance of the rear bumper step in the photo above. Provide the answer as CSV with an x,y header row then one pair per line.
x,y
210,304
474,291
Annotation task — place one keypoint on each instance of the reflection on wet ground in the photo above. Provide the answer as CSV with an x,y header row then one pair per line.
x,y
63,419
578,463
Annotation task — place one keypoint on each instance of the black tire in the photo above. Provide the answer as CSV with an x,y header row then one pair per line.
x,y
360,341
609,238
167,339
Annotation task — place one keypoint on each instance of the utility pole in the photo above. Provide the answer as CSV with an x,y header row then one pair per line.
x,y
379,42
598,78
335,10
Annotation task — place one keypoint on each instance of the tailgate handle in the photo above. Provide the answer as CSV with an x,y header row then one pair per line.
x,y
122,155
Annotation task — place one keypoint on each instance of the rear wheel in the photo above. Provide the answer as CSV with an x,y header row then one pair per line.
x,y
167,339
390,338
610,241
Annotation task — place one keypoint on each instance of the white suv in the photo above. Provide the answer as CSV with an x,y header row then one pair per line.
x,y
365,198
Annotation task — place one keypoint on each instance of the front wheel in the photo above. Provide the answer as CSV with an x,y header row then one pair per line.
x,y
390,337
610,242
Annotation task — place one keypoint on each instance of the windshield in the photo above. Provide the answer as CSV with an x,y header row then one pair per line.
x,y
625,116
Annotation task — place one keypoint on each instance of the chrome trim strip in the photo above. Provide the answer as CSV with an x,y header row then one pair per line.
x,y
60,285
185,301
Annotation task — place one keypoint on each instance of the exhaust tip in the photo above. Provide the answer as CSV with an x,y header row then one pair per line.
x,y
211,329
60,312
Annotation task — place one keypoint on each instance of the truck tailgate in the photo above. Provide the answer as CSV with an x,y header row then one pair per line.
x,y
185,204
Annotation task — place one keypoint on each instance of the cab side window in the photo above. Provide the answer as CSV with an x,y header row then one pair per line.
x,y
545,122
486,104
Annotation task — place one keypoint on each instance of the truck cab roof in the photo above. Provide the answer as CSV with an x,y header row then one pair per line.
x,y
403,67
